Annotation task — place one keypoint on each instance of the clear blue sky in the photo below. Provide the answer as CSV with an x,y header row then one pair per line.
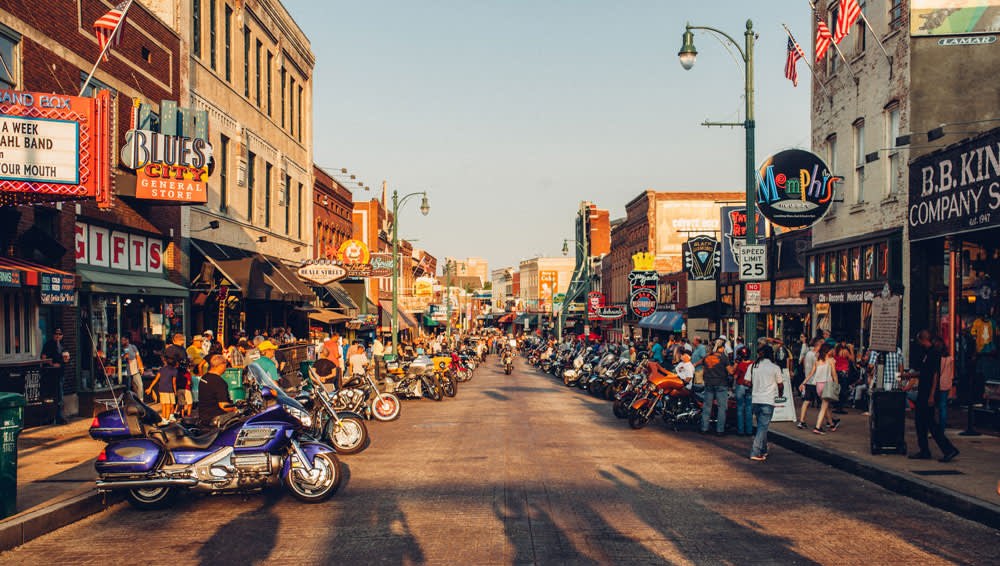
x,y
509,113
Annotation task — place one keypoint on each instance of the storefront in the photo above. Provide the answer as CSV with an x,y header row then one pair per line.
x,y
955,247
786,312
843,277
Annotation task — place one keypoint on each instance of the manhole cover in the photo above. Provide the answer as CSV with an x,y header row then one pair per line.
x,y
937,472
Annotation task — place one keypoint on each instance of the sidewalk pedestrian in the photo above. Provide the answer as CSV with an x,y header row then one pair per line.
x,y
824,373
56,354
945,382
741,390
133,365
717,375
166,386
767,385
928,363
807,387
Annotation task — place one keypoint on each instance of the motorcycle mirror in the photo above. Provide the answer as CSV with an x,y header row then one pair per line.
x,y
267,393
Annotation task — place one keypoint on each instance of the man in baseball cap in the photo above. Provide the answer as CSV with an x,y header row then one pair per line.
x,y
267,361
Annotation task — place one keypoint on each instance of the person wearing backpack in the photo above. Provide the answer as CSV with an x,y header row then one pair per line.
x,y
765,377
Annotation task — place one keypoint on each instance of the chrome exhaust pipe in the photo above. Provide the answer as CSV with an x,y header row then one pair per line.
x,y
132,484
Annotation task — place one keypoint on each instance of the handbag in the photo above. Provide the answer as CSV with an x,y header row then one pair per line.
x,y
831,391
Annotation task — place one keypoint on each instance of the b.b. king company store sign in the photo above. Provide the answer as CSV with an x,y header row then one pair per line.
x,y
956,189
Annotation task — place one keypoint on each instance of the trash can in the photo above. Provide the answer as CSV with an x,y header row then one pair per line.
x,y
234,377
11,422
304,367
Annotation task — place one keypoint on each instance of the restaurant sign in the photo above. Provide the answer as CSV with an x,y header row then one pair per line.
x,y
956,190
54,147
58,289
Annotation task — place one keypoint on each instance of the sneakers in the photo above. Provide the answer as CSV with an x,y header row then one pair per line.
x,y
800,424
836,425
818,431
758,458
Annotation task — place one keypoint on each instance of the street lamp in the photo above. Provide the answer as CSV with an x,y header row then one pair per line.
x,y
687,56
563,310
425,208
447,271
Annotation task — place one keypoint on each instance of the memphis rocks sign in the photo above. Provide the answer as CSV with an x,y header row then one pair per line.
x,y
794,188
956,190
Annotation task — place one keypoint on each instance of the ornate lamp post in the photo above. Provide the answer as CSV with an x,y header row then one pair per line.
x,y
425,208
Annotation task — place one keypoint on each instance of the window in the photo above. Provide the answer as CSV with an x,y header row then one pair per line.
x,y
893,171
895,14
224,175
267,195
298,126
229,44
268,85
18,326
298,209
257,79
251,158
246,61
95,85
9,67
831,161
282,98
291,105
212,25
196,27
288,204
859,160
831,56
859,40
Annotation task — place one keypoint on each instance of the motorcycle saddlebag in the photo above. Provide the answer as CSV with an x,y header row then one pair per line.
x,y
134,456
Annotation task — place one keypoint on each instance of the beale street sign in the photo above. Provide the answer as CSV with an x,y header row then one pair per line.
x,y
322,272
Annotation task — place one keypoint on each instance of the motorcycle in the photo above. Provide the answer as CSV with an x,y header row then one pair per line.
x,y
413,380
360,395
344,430
250,449
444,376
508,362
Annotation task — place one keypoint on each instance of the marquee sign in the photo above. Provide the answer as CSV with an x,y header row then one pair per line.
x,y
702,258
54,147
794,188
322,272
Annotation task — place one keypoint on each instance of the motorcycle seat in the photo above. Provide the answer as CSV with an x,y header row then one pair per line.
x,y
176,437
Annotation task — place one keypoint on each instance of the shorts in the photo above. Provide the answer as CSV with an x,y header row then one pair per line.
x,y
166,397
184,397
811,395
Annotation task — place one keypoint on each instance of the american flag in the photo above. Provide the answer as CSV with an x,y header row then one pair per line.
x,y
823,38
794,52
106,26
849,12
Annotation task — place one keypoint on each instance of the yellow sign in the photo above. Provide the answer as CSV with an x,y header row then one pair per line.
x,y
423,287
643,261
547,282
353,252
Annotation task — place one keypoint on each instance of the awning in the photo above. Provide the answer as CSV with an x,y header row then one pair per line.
x,y
507,318
406,320
328,316
428,321
31,272
128,283
340,295
280,276
667,321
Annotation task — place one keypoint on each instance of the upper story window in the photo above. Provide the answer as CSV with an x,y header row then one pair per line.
x,y
10,67
895,14
196,27
894,173
859,160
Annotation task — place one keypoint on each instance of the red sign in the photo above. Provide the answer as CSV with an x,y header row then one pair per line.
x,y
595,300
753,286
643,303
607,313
55,147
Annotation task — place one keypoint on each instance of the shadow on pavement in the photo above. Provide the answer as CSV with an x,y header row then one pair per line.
x,y
534,536
496,395
254,533
376,528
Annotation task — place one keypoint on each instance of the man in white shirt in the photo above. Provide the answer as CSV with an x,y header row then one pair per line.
x,y
765,376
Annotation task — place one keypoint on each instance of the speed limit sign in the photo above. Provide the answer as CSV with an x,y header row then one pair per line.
x,y
753,262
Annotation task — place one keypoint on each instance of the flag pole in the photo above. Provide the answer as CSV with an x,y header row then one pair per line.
x,y
106,47
805,59
837,47
877,40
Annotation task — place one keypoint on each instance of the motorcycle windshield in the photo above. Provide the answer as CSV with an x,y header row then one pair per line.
x,y
264,380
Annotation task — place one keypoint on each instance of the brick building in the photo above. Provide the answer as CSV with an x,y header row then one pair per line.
x,y
333,208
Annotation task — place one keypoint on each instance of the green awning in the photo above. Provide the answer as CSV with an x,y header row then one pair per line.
x,y
428,321
128,283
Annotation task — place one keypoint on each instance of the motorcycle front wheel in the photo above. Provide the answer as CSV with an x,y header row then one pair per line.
x,y
449,386
318,485
432,390
385,407
148,498
349,437
620,409
637,420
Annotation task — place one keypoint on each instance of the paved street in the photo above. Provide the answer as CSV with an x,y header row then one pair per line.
x,y
521,470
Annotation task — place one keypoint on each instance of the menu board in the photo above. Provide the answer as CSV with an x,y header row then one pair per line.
x,y
885,324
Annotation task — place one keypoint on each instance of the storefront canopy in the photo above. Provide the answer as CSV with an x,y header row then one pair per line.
x,y
336,292
123,283
507,318
406,320
666,321
254,275
428,321
328,316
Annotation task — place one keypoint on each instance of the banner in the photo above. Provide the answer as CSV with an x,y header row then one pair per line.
x,y
702,258
547,283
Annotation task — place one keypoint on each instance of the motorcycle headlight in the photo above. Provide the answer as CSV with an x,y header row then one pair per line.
x,y
302,416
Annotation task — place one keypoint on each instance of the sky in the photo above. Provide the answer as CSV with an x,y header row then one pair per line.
x,y
510,113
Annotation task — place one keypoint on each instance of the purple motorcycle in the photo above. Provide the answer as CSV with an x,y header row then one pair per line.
x,y
247,450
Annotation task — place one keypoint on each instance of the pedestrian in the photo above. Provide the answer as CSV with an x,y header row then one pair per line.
x,y
741,390
165,383
266,361
208,337
768,384
194,353
842,356
176,351
326,371
133,365
823,373
945,382
807,387
214,392
331,351
357,360
685,370
656,351
928,364
717,375
57,356
378,355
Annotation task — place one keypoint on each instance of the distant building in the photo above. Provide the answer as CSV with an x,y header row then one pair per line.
x,y
537,275
333,209
471,267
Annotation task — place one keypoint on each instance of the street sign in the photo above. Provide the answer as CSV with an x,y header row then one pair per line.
x,y
322,272
753,262
751,298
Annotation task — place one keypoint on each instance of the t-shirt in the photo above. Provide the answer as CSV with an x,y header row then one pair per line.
x,y
177,354
685,371
807,366
332,351
984,331
741,373
657,353
166,383
131,355
267,364
765,377
194,355
928,364
357,362
212,391
698,354
715,369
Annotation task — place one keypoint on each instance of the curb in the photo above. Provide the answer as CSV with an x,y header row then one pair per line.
x,y
932,494
33,523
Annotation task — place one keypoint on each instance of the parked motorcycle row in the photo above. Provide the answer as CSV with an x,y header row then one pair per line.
x,y
640,391
276,436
